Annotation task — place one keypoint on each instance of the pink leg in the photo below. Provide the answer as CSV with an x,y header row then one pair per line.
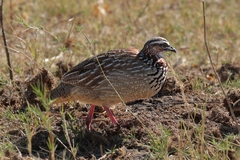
x,y
89,117
110,115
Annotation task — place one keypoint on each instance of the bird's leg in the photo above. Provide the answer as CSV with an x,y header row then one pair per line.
x,y
110,115
89,117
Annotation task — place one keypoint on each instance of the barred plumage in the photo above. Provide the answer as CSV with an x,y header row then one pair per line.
x,y
133,74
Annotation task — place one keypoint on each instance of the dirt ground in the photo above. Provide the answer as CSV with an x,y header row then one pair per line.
x,y
140,122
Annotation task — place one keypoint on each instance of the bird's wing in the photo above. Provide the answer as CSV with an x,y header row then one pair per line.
x,y
92,69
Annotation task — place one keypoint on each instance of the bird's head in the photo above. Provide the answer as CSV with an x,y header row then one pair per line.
x,y
154,49
159,44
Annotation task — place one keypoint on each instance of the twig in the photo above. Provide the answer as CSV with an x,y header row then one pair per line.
x,y
142,11
5,42
11,10
236,102
215,72
177,79
127,109
63,145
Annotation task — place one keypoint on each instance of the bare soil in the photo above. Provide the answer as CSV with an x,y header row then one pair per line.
x,y
139,122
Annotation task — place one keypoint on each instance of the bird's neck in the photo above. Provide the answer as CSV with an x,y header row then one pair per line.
x,y
150,56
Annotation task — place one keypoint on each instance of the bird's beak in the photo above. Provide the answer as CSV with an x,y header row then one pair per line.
x,y
170,48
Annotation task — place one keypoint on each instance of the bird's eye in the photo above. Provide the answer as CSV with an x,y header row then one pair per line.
x,y
164,45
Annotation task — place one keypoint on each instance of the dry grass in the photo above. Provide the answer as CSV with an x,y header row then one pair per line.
x,y
42,30
40,33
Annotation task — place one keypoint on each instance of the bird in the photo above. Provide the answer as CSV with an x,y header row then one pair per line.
x,y
118,75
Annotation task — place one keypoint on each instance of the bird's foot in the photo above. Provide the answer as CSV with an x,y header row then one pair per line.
x,y
110,115
89,117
